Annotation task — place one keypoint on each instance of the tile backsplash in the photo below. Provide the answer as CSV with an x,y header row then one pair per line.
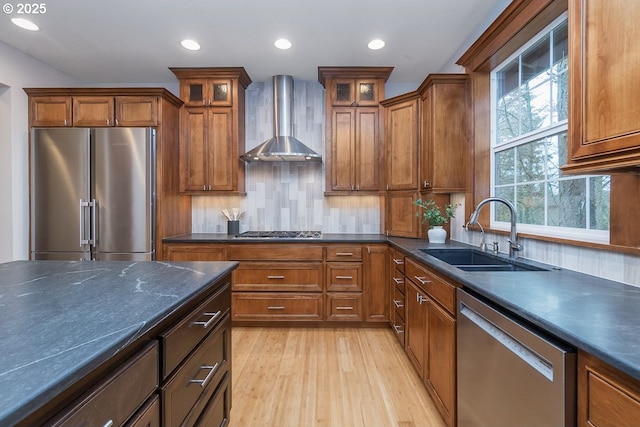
x,y
287,195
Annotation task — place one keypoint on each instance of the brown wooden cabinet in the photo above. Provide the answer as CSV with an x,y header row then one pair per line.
x,y
431,334
94,110
445,148
604,131
155,107
50,111
212,135
606,396
400,214
397,290
402,141
375,291
354,128
344,283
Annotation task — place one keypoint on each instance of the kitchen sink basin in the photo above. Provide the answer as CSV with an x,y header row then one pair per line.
x,y
475,260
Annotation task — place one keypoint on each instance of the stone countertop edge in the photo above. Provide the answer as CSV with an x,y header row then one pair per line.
x,y
55,337
599,316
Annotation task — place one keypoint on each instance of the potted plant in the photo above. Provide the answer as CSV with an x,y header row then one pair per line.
x,y
432,213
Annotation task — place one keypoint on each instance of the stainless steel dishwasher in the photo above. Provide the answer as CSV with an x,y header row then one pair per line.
x,y
509,373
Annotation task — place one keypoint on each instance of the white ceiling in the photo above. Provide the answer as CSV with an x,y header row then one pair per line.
x,y
135,41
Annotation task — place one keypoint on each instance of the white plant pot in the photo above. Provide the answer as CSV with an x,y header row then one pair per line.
x,y
437,234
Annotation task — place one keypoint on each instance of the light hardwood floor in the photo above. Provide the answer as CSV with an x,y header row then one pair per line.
x,y
323,377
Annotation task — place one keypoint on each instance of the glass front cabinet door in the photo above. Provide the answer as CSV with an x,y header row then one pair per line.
x,y
354,93
202,92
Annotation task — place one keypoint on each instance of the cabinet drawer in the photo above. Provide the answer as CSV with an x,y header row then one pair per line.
x,y
344,253
441,291
118,396
344,306
276,306
216,414
398,327
178,342
397,260
344,276
275,252
187,392
274,276
148,416
398,281
398,303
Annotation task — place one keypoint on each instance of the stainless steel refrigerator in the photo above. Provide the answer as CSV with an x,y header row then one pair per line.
x,y
93,194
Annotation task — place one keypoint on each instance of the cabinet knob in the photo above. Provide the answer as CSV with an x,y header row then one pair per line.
x,y
426,184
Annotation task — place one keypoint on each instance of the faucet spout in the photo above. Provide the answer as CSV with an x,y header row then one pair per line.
x,y
514,246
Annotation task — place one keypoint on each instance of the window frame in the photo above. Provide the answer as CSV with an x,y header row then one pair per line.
x,y
578,234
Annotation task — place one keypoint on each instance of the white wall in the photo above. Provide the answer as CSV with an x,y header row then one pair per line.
x,y
17,71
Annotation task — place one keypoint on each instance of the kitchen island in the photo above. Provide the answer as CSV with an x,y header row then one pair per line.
x,y
66,327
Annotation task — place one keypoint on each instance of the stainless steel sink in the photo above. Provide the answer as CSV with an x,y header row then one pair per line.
x,y
475,260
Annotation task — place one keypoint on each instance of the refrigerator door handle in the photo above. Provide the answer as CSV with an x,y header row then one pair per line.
x,y
94,214
83,241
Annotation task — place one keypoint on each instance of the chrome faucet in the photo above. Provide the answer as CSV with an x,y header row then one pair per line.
x,y
514,246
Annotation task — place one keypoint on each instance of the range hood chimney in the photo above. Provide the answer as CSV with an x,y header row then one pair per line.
x,y
283,146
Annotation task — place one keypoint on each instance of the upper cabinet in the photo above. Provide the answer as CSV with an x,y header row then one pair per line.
x,y
93,110
445,146
402,141
354,156
212,125
604,63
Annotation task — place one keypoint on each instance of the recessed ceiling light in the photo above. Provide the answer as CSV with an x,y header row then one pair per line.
x,y
282,44
376,44
25,23
190,44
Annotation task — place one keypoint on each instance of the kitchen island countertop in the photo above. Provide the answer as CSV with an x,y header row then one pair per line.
x,y
599,316
61,320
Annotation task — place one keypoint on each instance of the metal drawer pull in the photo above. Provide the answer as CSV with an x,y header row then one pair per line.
x,y
346,307
422,280
344,253
397,329
397,303
344,277
275,277
276,307
210,321
398,280
420,298
398,261
212,370
108,424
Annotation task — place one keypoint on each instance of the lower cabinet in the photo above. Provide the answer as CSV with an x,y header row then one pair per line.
x,y
431,334
180,378
267,306
606,396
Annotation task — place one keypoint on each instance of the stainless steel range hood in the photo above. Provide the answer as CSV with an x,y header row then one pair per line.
x,y
283,146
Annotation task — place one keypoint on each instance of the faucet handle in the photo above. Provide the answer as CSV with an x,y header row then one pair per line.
x,y
515,245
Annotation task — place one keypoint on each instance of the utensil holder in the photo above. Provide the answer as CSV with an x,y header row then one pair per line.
x,y
233,228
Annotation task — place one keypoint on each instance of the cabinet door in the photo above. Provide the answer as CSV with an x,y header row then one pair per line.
x,y
220,149
136,111
603,82
368,151
194,92
375,289
219,93
445,140
402,145
440,377
400,218
343,135
95,111
193,150
51,111
416,326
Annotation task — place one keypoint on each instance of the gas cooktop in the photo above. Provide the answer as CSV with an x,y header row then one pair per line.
x,y
281,235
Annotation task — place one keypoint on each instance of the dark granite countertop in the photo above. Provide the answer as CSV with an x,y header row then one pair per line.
x,y
60,320
596,315
225,238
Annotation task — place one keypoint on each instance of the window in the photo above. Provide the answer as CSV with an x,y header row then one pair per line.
x,y
529,144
